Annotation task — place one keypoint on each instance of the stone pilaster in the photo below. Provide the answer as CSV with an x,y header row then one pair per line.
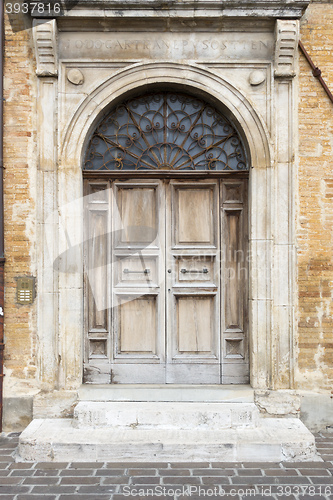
x,y
283,189
45,36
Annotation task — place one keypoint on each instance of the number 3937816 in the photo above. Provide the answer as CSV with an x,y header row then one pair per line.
x,y
32,7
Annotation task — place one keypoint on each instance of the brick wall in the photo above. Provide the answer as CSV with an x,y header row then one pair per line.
x,y
19,194
315,196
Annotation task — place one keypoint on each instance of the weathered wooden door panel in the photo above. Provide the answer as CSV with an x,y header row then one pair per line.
x,y
138,312
194,373
137,373
195,325
97,292
166,282
133,270
193,215
194,224
138,215
193,345
234,273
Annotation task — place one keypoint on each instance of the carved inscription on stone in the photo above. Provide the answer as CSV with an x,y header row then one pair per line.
x,y
170,46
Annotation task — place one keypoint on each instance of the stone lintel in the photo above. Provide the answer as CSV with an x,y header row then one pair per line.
x,y
193,8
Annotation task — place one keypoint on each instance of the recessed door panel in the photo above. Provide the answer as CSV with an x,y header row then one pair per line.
x,y
137,327
195,271
138,215
96,281
235,357
131,271
98,221
195,325
194,222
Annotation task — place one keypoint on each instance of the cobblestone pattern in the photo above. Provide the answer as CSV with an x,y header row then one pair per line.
x,y
118,481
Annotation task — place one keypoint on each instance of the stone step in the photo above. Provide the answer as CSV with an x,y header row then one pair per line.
x,y
273,439
167,392
165,415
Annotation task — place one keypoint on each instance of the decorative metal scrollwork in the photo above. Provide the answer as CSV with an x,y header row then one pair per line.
x,y
165,131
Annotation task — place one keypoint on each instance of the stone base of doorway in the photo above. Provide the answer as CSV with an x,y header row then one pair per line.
x,y
160,431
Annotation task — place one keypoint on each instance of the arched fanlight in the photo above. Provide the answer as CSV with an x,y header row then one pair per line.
x,y
165,131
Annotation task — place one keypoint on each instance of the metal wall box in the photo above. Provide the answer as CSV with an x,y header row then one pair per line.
x,y
25,290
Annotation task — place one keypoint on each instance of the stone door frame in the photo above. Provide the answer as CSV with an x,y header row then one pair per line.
x,y
271,217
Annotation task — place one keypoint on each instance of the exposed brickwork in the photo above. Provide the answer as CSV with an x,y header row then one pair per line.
x,y
315,228
19,195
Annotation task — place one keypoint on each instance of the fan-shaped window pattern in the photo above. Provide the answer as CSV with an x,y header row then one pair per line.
x,y
165,131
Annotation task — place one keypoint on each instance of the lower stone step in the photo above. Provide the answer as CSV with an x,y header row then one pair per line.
x,y
272,439
165,415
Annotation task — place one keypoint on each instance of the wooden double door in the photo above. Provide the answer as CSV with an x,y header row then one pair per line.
x,y
166,272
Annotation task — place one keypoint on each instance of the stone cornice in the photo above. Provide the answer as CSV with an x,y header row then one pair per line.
x,y
185,8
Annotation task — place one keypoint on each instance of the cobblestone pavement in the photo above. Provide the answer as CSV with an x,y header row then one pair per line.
x,y
118,481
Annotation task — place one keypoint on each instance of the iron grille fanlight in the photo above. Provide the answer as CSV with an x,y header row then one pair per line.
x,y
165,131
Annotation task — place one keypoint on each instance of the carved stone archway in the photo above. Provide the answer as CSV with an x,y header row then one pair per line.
x,y
141,77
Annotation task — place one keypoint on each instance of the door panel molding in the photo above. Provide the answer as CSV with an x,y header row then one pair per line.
x,y
97,294
234,282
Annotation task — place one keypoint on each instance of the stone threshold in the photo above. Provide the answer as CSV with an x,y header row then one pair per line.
x,y
168,392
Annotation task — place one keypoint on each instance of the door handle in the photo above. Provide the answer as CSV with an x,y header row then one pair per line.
x,y
145,271
204,271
